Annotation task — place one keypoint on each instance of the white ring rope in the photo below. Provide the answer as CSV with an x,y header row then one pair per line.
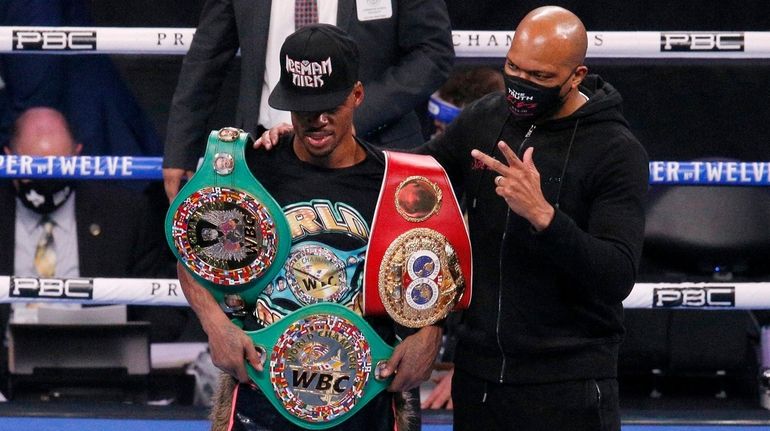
x,y
472,44
467,43
153,291
150,168
84,290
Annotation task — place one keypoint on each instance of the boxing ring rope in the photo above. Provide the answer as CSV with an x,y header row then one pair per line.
x,y
698,173
167,291
467,43
470,44
160,291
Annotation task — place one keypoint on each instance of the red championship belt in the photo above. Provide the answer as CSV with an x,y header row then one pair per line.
x,y
418,264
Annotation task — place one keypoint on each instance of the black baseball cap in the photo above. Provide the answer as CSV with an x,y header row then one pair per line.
x,y
319,67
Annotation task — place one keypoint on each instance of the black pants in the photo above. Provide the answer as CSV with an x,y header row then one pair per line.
x,y
582,405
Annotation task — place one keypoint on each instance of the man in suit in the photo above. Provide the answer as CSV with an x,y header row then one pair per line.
x,y
406,54
98,230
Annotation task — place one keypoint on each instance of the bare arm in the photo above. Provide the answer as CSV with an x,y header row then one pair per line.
x,y
412,360
228,343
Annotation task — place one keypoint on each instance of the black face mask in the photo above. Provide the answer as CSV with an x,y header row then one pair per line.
x,y
43,197
529,101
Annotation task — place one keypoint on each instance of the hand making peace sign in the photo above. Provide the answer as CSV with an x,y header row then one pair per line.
x,y
518,183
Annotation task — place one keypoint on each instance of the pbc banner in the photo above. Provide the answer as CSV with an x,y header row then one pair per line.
x,y
693,297
53,40
51,288
139,291
467,43
707,296
701,41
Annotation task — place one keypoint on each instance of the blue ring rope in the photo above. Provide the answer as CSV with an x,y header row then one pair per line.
x,y
721,173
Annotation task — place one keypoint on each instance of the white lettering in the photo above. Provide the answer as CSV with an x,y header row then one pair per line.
x,y
98,166
112,165
127,166
656,171
68,165
11,162
27,37
713,171
26,165
672,169
75,37
50,164
85,165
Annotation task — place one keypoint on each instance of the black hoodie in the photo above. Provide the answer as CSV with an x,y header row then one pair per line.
x,y
546,306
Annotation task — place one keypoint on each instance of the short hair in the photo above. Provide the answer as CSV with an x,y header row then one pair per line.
x,y
466,83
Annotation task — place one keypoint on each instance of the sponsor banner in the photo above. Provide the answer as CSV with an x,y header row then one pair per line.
x,y
150,168
92,167
693,297
467,43
707,296
95,40
710,173
31,39
139,291
701,41
149,291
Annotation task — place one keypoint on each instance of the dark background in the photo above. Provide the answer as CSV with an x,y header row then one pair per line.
x,y
680,110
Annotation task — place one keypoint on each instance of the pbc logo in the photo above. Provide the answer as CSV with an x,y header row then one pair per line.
x,y
54,40
701,41
30,287
670,297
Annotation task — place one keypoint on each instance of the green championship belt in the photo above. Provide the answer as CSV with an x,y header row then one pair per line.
x,y
224,226
321,366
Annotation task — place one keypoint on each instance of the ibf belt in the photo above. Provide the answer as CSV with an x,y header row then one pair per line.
x,y
225,227
321,364
418,265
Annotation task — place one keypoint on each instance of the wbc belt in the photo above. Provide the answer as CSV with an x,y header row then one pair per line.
x,y
225,227
321,366
418,265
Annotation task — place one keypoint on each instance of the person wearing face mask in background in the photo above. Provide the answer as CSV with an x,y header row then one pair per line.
x,y
96,229
554,185
465,85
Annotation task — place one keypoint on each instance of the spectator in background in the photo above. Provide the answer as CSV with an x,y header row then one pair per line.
x,y
88,89
60,228
466,84
406,54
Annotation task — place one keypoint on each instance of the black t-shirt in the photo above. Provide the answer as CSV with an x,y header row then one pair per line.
x,y
330,212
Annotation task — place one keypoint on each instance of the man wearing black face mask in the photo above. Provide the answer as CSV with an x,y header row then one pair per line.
x,y
60,229
555,185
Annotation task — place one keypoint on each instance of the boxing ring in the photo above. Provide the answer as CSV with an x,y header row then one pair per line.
x,y
657,45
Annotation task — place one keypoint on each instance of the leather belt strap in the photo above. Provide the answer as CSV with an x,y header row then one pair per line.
x,y
321,364
225,227
418,265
